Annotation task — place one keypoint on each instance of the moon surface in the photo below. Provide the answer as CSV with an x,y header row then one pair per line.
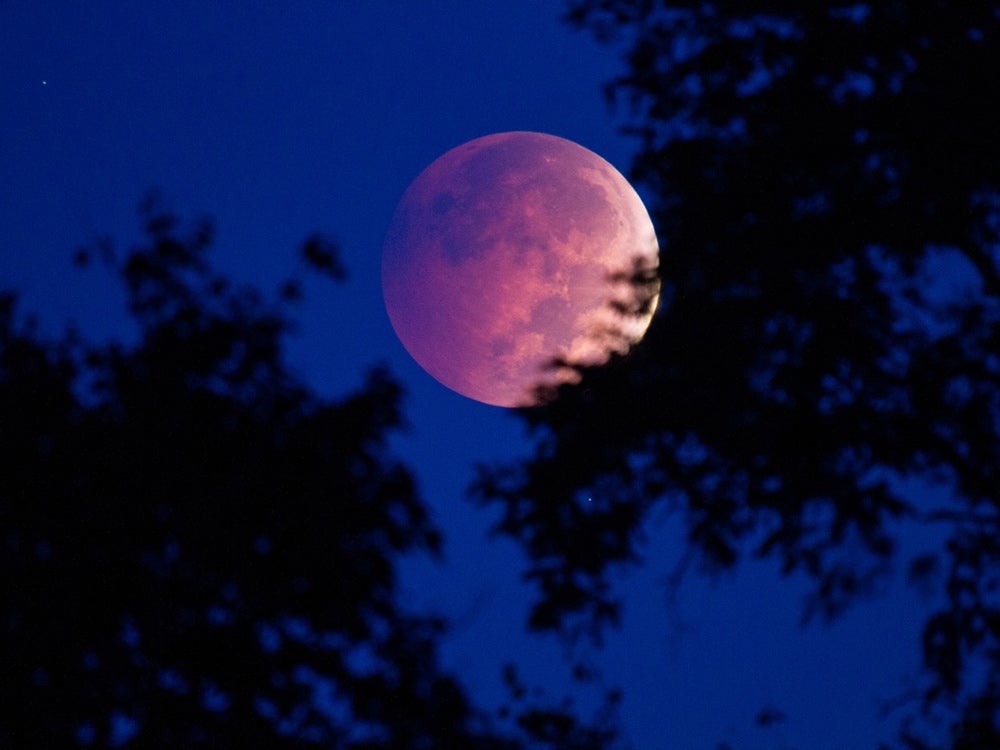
x,y
514,259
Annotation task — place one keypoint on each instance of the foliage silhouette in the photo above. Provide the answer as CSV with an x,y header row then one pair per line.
x,y
826,184
198,551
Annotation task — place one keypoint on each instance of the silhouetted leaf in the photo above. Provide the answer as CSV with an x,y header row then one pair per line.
x,y
323,256
769,716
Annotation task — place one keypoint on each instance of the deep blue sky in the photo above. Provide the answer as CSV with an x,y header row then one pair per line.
x,y
278,120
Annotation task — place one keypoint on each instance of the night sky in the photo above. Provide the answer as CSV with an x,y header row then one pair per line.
x,y
279,120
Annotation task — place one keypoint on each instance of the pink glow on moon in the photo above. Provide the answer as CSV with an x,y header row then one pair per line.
x,y
512,252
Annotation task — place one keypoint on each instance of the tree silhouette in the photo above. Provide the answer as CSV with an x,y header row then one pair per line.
x,y
826,184
198,551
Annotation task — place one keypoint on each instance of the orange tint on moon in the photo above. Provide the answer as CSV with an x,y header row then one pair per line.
x,y
513,256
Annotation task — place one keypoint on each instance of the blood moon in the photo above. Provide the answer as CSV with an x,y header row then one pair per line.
x,y
514,258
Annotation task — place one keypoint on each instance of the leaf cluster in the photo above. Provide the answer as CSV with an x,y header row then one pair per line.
x,y
199,551
826,186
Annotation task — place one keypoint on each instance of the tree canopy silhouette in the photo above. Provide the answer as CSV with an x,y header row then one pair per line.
x,y
198,551
825,180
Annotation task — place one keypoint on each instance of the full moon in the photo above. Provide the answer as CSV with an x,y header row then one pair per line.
x,y
515,259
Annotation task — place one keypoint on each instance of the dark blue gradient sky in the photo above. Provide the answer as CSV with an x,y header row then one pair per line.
x,y
280,119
